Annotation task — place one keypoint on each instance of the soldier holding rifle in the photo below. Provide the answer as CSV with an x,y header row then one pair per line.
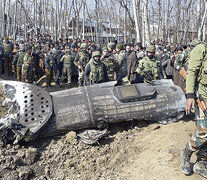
x,y
196,94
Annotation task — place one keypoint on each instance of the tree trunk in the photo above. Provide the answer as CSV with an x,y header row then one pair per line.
x,y
84,7
15,21
178,20
56,20
146,35
168,21
3,11
202,22
204,30
136,7
198,14
119,20
125,24
159,18
187,22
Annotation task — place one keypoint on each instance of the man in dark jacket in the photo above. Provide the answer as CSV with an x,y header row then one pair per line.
x,y
132,61
57,54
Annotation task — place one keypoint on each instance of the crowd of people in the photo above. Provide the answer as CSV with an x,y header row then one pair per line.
x,y
76,62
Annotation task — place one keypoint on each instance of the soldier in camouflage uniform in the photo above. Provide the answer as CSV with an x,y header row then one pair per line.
x,y
18,62
28,66
181,65
67,61
81,61
182,60
111,64
96,71
49,67
121,58
74,68
8,48
150,67
196,84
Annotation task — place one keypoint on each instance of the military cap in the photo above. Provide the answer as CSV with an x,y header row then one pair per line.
x,y
72,45
104,48
98,49
151,49
120,46
84,45
57,47
96,53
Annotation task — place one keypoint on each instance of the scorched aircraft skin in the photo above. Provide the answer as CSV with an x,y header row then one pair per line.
x,y
35,112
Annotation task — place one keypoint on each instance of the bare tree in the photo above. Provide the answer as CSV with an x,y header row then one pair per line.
x,y
146,35
202,22
136,7
187,23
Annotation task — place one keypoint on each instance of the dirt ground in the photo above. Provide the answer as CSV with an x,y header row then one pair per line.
x,y
132,151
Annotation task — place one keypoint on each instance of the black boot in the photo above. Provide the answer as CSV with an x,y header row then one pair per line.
x,y
200,167
69,86
185,162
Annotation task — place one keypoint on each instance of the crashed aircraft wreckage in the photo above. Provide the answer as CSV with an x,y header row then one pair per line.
x,y
33,112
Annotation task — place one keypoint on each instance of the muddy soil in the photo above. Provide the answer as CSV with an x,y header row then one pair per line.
x,y
132,151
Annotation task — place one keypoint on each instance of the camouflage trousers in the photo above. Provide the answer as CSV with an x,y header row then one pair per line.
x,y
68,73
49,76
19,73
198,141
80,78
27,73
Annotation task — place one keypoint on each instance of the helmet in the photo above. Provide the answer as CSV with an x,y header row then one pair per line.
x,y
110,46
120,46
84,45
151,49
96,53
104,48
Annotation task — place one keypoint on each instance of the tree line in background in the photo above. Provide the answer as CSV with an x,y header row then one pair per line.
x,y
125,20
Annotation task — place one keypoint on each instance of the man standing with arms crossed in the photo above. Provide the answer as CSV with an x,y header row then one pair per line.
x,y
196,89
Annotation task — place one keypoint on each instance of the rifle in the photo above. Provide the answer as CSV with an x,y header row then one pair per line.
x,y
199,98
183,73
201,103
148,75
